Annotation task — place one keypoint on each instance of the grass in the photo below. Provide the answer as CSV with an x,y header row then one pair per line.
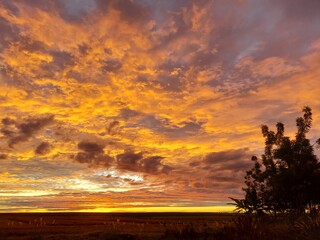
x,y
92,226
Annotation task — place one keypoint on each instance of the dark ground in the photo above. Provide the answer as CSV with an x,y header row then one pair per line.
x,y
85,226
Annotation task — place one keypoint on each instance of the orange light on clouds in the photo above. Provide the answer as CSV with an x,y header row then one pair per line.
x,y
151,106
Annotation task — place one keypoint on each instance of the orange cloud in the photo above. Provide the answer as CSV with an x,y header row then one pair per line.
x,y
155,103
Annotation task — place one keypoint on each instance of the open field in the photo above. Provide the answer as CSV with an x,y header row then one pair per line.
x,y
90,226
99,225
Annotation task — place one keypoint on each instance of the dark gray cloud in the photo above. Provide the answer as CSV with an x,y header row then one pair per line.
x,y
224,169
17,139
163,125
127,113
10,6
129,160
94,160
237,164
6,132
71,11
130,11
170,83
195,164
226,156
299,9
76,75
61,59
153,165
17,132
90,147
7,33
43,148
32,125
113,127
218,178
93,154
8,121
3,156
198,185
84,49
220,170
111,65
75,11
160,124
132,161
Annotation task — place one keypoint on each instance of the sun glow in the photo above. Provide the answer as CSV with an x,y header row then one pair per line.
x,y
213,209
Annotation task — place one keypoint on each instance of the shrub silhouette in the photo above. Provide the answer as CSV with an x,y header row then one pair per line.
x,y
287,177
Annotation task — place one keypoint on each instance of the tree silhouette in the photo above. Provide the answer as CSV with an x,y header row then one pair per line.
x,y
287,177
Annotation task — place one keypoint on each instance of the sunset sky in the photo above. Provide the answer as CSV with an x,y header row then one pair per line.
x,y
147,105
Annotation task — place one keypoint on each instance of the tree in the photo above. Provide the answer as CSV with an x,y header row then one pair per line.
x,y
287,177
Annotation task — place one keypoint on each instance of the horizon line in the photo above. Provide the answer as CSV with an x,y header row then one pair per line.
x,y
207,209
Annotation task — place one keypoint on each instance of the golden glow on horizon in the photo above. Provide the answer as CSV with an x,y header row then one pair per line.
x,y
212,209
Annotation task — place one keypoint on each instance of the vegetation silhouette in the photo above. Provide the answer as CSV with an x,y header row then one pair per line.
x,y
287,177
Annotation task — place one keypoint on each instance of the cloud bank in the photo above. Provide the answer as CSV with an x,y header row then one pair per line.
x,y
147,103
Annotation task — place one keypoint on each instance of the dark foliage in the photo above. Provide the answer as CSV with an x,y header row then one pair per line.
x,y
287,177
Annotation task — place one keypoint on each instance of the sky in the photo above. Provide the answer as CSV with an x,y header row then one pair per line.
x,y
147,105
